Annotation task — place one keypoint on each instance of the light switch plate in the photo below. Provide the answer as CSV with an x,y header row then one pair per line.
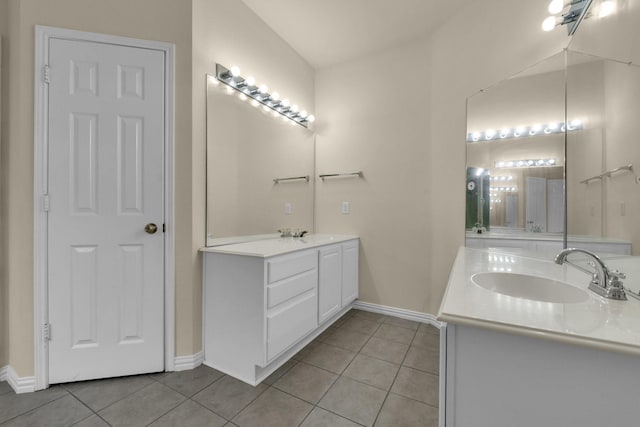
x,y
346,208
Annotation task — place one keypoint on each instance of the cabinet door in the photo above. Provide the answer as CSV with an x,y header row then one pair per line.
x,y
329,281
349,272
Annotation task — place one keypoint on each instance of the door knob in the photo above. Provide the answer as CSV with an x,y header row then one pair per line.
x,y
151,228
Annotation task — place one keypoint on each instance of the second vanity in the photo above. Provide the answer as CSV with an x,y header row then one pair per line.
x,y
264,300
558,355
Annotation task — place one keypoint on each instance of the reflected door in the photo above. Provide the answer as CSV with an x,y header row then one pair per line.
x,y
555,205
511,210
106,157
536,204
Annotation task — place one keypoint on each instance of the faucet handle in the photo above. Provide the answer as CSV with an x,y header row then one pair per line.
x,y
614,278
618,274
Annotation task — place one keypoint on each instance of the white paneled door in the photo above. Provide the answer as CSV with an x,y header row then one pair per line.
x,y
105,217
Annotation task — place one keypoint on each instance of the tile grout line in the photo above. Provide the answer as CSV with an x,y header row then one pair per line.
x,y
341,375
119,400
87,406
208,409
336,380
247,405
394,379
33,409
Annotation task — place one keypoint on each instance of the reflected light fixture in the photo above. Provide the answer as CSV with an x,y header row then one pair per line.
x,y
260,95
526,163
524,131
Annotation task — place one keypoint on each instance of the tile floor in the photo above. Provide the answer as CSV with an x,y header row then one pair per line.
x,y
365,370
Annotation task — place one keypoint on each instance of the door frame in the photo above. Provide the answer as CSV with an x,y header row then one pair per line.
x,y
41,175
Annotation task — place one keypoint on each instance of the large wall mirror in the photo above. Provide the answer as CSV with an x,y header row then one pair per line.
x,y
515,156
251,154
603,160
556,144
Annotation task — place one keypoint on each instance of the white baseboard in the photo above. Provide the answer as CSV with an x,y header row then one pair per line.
x,y
398,312
18,384
184,363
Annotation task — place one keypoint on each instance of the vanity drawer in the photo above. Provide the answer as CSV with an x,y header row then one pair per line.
x,y
289,265
291,287
287,326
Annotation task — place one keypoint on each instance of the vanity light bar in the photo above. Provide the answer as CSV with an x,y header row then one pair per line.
x,y
527,163
502,178
512,189
261,95
524,131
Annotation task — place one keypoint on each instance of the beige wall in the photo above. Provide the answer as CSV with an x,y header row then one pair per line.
x,y
164,20
368,121
4,75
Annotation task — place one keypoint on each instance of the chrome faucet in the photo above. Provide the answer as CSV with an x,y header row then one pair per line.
x,y
604,282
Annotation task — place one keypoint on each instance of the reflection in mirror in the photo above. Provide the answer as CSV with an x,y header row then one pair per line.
x,y
516,137
247,149
606,205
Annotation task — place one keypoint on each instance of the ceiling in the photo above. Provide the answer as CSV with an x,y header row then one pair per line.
x,y
327,32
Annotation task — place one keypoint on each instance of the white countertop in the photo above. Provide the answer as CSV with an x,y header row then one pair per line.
x,y
597,322
278,246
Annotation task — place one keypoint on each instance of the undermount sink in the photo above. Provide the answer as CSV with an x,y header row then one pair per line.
x,y
530,287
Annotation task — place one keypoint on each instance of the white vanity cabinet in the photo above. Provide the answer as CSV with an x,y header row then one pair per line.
x,y
329,281
264,301
350,255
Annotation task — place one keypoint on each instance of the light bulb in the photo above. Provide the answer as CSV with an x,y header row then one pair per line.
x,y
475,136
549,23
551,161
500,164
530,162
285,103
556,6
606,8
576,122
520,163
534,129
250,81
275,96
263,89
504,133
510,164
235,71
489,133
311,118
295,108
304,114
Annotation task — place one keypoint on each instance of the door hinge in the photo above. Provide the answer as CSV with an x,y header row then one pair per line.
x,y
45,203
46,75
164,228
46,332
